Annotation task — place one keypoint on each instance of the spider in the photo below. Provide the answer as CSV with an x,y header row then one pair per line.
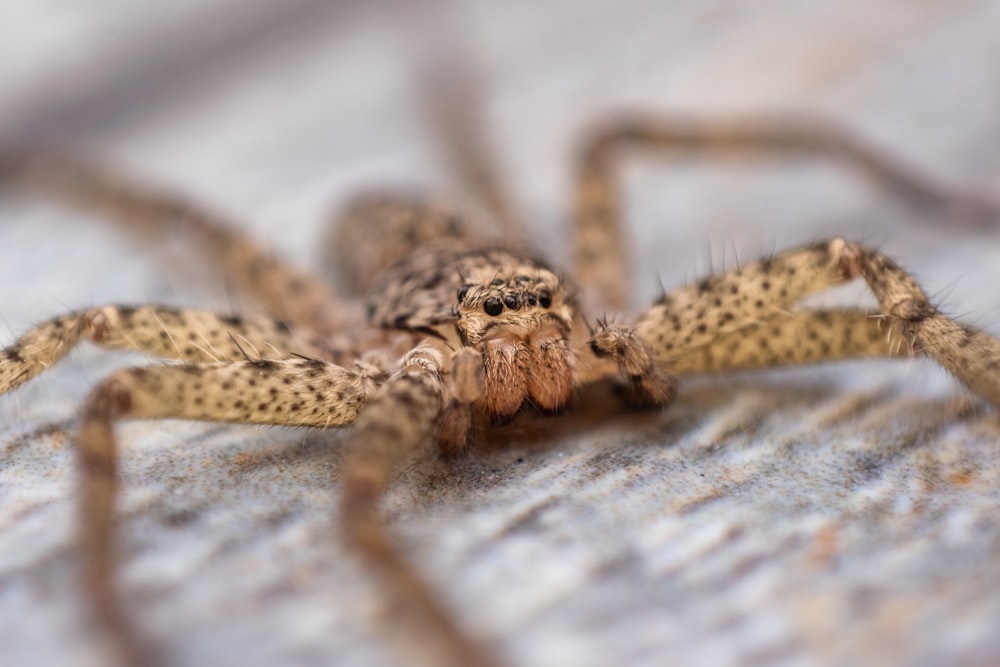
x,y
458,332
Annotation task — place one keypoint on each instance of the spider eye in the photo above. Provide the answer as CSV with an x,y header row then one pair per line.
x,y
544,298
510,301
493,306
462,292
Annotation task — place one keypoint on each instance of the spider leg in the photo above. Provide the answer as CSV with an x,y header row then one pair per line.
x,y
377,228
192,336
747,318
286,292
466,387
397,424
452,99
970,355
292,392
698,314
600,255
802,337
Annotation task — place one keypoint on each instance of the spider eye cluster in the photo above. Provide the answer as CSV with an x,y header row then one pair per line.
x,y
494,305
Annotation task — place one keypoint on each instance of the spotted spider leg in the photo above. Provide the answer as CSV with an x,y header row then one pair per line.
x,y
696,316
290,392
398,424
274,387
191,336
747,318
288,294
803,337
971,355
600,252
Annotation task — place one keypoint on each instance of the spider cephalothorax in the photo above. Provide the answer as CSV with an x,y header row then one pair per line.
x,y
512,309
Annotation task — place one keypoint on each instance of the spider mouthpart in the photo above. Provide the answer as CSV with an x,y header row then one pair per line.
x,y
463,291
493,306
544,298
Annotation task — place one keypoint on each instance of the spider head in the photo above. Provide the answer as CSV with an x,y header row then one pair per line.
x,y
519,320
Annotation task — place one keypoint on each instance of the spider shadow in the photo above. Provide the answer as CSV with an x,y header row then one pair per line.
x,y
599,423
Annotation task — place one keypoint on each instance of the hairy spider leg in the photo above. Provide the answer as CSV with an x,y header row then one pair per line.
x,y
291,295
397,425
600,255
747,318
291,392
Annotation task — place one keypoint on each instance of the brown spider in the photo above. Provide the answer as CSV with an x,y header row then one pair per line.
x,y
458,332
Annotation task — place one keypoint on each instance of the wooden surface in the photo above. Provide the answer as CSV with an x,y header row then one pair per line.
x,y
840,515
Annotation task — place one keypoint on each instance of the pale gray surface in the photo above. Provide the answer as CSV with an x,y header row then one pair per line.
x,y
846,515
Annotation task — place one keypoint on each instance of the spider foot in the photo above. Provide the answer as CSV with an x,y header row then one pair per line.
x,y
646,384
652,391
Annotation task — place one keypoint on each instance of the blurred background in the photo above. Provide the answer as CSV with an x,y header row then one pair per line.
x,y
842,515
